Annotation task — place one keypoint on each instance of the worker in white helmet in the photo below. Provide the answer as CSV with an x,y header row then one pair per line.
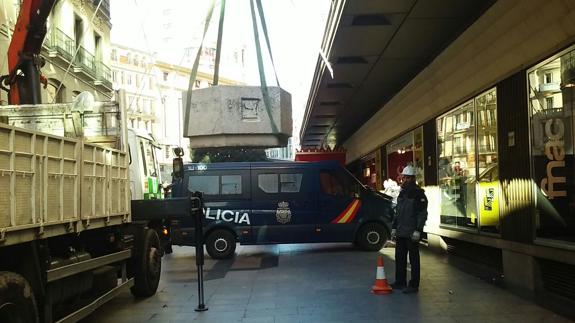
x,y
410,217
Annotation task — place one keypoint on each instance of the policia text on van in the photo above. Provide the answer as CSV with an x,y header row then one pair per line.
x,y
281,202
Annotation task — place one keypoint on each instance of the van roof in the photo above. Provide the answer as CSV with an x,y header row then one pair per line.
x,y
252,165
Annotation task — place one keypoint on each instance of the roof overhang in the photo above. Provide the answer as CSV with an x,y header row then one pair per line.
x,y
371,50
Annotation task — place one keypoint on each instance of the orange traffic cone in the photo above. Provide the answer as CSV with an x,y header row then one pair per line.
x,y
381,286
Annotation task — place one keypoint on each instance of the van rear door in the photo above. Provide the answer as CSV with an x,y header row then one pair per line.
x,y
284,208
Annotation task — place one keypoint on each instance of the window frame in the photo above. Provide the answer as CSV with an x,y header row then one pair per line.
x,y
304,187
537,240
475,145
245,192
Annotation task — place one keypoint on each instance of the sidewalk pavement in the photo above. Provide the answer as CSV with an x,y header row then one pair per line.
x,y
317,283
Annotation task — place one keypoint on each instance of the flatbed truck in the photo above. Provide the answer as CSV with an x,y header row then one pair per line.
x,y
68,242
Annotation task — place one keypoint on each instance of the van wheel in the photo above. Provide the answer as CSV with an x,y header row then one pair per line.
x,y
371,237
221,244
17,303
148,265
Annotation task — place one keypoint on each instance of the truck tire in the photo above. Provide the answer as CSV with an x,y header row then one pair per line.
x,y
148,265
221,244
371,236
17,302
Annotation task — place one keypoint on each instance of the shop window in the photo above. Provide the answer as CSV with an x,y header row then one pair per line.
x,y
370,171
487,181
467,165
405,150
552,148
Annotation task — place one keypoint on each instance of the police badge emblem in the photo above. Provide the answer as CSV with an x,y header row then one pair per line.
x,y
283,212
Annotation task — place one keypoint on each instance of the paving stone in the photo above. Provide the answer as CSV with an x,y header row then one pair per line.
x,y
317,283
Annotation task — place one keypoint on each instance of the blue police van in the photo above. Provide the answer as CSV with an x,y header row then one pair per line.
x,y
281,202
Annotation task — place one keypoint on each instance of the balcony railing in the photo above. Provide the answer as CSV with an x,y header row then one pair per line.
x,y
86,61
460,150
104,7
61,43
103,74
487,149
549,87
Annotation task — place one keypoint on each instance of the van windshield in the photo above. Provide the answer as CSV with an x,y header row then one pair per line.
x,y
338,182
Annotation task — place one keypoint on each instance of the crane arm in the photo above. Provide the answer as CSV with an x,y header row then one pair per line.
x,y
24,61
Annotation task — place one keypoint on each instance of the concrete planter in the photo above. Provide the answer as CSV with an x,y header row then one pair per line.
x,y
232,116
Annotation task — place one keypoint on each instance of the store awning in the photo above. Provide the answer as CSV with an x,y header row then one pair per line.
x,y
374,48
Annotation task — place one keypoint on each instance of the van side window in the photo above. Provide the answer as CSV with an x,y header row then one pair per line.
x,y
290,183
330,183
268,182
231,184
207,184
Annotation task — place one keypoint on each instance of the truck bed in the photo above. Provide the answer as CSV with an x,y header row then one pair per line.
x,y
52,185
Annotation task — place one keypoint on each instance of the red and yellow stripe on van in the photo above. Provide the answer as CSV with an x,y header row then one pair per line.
x,y
349,213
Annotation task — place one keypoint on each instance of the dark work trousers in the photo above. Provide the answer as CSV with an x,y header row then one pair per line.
x,y
403,246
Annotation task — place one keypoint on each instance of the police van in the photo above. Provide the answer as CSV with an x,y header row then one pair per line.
x,y
281,202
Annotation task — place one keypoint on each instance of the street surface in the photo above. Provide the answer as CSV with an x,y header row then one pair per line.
x,y
317,283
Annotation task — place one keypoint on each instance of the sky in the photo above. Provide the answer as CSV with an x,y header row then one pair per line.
x,y
295,29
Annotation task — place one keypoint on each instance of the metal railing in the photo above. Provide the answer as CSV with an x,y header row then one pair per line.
x,y
104,7
61,43
86,61
104,74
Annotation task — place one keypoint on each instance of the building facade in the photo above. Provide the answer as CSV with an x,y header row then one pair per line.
x,y
76,49
181,47
172,81
133,71
153,90
494,143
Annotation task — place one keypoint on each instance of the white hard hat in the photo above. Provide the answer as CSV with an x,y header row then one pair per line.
x,y
408,170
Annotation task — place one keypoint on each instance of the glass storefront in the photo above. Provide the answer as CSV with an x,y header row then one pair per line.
x,y
468,174
551,104
403,151
371,172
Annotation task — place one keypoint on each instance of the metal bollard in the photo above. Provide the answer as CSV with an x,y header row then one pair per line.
x,y
199,233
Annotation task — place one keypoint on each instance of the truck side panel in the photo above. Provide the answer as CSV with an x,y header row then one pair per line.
x,y
39,181
51,185
105,184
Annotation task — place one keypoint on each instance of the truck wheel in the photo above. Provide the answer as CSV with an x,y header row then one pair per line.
x,y
148,265
371,237
17,303
221,244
